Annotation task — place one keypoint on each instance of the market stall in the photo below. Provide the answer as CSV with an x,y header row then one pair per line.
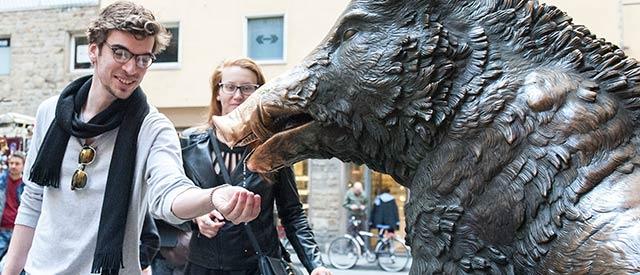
x,y
15,132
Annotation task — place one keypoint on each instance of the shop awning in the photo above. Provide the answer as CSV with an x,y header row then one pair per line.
x,y
16,125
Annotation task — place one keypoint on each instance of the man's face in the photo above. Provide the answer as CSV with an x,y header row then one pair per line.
x,y
119,80
16,165
357,188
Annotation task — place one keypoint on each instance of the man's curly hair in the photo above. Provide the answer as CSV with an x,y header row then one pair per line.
x,y
128,17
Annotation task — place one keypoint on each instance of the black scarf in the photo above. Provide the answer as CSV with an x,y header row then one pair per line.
x,y
127,114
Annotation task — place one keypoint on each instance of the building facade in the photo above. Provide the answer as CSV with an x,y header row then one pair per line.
x,y
42,48
34,45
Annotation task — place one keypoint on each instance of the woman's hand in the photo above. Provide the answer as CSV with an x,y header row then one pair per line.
x,y
321,270
209,224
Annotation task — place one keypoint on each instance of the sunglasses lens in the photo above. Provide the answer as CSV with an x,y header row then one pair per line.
x,y
87,154
79,180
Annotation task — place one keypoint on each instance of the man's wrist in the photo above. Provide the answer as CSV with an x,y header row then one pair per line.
x,y
213,190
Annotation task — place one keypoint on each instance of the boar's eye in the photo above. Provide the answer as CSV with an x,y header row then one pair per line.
x,y
346,35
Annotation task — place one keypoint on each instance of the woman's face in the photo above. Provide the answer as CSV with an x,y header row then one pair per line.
x,y
235,76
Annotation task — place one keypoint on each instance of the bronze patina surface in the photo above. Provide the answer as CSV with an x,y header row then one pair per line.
x,y
515,130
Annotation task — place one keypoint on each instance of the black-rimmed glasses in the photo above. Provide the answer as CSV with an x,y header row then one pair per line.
x,y
122,55
245,89
86,157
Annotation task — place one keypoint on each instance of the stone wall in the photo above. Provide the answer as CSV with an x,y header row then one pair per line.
x,y
40,50
327,188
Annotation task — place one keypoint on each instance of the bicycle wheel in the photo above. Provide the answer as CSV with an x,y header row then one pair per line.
x,y
343,253
393,255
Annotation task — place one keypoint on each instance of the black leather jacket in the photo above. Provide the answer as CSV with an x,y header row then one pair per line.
x,y
149,241
231,249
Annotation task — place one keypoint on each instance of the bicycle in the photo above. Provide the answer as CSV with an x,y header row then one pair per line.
x,y
391,253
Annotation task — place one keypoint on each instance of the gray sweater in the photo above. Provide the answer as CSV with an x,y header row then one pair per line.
x,y
66,222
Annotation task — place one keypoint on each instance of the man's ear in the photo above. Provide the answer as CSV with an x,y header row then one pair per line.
x,y
94,52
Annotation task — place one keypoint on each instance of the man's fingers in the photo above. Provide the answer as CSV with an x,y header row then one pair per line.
x,y
236,212
251,209
247,209
256,206
236,205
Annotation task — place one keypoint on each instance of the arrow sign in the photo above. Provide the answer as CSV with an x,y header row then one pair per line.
x,y
261,39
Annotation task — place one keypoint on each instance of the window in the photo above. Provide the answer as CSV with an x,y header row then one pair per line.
x,y
80,52
265,38
170,56
5,56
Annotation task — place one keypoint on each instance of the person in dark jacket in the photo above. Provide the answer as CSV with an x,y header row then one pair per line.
x,y
149,243
384,214
174,248
218,246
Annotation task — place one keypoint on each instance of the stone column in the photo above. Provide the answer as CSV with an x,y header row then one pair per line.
x,y
327,180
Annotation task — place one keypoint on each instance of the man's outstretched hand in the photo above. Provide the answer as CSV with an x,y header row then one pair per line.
x,y
236,204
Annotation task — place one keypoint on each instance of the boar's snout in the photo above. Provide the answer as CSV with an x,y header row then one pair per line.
x,y
269,116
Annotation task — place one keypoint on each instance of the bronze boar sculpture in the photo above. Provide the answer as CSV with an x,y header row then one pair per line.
x,y
515,130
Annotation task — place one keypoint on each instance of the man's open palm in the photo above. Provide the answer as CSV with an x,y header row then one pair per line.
x,y
236,204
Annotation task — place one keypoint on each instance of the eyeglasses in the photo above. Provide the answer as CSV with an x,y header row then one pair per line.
x,y
245,89
122,55
86,157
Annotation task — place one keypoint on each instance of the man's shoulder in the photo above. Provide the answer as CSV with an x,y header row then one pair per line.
x,y
49,104
155,119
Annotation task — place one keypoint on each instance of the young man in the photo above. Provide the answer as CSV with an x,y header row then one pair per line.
x,y
11,187
100,155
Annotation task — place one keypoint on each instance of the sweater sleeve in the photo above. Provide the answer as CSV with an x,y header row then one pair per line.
x,y
164,172
31,198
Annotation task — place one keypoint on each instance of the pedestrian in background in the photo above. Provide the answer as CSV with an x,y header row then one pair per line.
x,y
355,201
384,213
11,187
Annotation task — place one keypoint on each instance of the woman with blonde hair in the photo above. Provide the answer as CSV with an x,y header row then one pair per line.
x,y
218,246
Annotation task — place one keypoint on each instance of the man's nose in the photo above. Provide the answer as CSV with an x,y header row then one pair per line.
x,y
130,66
